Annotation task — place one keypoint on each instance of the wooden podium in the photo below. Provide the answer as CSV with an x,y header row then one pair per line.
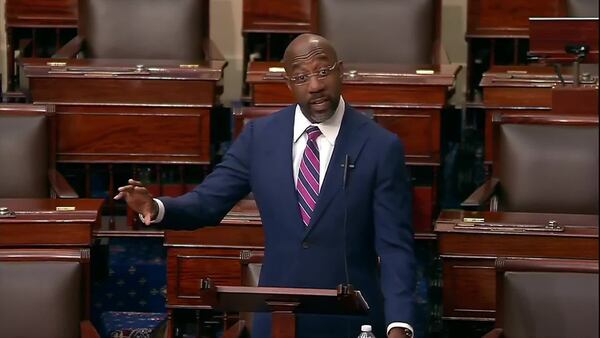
x,y
284,303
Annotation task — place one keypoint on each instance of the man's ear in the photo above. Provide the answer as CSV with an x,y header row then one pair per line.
x,y
341,68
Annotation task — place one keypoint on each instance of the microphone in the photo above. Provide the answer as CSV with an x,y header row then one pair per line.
x,y
347,164
346,288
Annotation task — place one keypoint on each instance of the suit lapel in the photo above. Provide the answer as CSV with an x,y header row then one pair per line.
x,y
283,172
349,142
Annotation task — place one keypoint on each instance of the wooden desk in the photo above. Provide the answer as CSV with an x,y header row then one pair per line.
x,y
402,101
212,252
109,111
38,224
497,28
406,103
128,111
527,90
25,17
468,256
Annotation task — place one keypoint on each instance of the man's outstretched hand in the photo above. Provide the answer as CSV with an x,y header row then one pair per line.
x,y
139,199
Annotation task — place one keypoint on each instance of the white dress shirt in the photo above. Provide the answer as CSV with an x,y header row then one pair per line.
x,y
329,129
326,142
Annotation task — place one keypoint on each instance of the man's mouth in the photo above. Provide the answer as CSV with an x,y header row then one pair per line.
x,y
318,101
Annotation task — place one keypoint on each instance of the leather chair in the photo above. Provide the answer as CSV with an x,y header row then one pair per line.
x,y
45,293
546,298
384,31
27,165
582,8
142,29
542,163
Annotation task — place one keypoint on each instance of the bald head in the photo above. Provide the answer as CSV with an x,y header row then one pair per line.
x,y
314,75
307,46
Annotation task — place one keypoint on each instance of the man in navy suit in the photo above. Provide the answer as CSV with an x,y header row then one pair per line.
x,y
332,190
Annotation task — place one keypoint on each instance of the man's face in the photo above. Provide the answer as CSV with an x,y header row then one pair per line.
x,y
314,77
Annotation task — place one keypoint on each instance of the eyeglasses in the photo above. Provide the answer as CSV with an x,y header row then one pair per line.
x,y
303,79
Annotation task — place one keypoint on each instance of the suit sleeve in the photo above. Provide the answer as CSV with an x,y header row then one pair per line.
x,y
393,234
210,201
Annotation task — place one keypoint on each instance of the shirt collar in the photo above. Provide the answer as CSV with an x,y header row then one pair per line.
x,y
330,128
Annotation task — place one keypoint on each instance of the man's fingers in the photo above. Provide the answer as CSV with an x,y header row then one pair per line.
x,y
119,195
134,182
126,188
147,219
140,189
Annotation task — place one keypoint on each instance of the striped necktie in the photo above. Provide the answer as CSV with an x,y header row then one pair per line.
x,y
308,176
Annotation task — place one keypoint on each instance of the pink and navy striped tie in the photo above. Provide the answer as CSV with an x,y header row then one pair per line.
x,y
308,176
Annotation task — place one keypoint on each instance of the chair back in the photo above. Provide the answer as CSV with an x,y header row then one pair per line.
x,y
24,151
42,292
547,164
547,298
144,29
382,31
582,8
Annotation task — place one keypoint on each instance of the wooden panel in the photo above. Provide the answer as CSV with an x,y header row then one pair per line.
x,y
419,129
423,204
519,246
186,267
575,100
35,234
469,288
518,96
271,94
394,95
498,18
291,16
41,13
126,91
133,134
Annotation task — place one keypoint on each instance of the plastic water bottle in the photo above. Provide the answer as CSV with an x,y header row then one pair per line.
x,y
366,332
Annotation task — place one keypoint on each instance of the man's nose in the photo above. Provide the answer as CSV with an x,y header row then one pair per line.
x,y
315,84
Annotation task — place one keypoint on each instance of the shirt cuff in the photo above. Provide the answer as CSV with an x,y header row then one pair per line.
x,y
160,215
402,325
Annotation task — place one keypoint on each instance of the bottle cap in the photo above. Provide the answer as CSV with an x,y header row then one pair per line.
x,y
365,328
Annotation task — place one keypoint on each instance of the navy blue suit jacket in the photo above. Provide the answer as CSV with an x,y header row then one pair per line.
x,y
378,205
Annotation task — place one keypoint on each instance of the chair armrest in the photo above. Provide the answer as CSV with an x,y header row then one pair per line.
x,y
70,49
495,333
59,186
481,195
238,330
88,330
